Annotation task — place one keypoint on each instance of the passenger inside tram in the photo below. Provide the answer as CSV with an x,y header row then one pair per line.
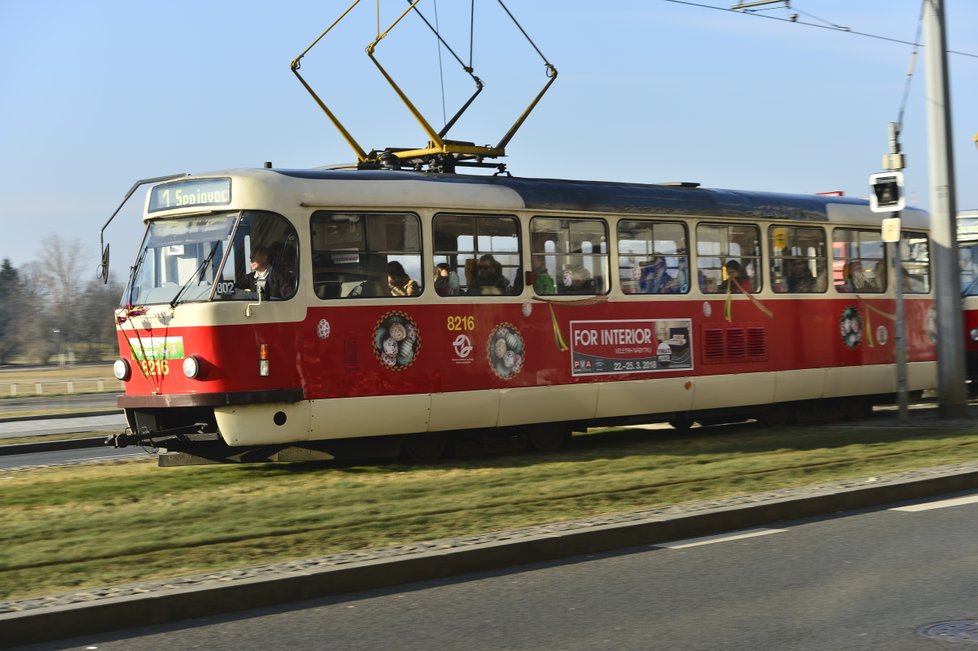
x,y
736,280
399,283
489,279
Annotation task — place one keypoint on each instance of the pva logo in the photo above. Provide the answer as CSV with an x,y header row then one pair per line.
x,y
462,346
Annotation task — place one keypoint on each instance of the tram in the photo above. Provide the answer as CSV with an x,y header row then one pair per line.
x,y
968,258
281,314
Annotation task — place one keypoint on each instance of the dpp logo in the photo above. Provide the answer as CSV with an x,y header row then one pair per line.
x,y
462,346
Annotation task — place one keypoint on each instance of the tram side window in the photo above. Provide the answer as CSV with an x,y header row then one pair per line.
x,y
574,252
968,263
476,255
366,255
859,261
798,259
652,257
728,258
915,263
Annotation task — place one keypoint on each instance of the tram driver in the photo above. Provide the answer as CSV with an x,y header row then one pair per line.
x,y
273,284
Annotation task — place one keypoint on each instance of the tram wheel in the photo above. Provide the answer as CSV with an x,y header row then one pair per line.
x,y
547,438
425,447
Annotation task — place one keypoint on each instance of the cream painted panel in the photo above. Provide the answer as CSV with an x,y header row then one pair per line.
x,y
859,380
714,391
547,404
463,410
644,397
254,425
373,416
921,375
803,384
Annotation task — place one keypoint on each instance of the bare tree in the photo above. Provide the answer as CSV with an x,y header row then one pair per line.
x,y
60,273
96,317
32,331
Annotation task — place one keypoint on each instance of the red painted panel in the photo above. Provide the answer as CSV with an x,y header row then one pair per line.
x,y
406,347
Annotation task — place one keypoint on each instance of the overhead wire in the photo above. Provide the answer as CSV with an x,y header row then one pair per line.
x,y
441,71
910,68
844,30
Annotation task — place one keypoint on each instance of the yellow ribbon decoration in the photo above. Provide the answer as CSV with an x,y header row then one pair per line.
x,y
728,308
869,325
583,302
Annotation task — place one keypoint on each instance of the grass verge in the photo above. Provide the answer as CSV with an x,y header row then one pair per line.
x,y
79,526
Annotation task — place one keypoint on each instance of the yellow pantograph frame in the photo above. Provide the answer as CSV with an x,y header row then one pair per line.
x,y
437,143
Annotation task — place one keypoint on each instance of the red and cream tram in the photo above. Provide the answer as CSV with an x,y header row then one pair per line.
x,y
279,314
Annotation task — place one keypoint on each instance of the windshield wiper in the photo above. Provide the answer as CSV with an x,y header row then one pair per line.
x,y
133,271
198,272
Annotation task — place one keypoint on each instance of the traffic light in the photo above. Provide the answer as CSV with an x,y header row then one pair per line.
x,y
887,192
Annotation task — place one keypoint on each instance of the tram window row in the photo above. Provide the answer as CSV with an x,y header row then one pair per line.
x,y
355,254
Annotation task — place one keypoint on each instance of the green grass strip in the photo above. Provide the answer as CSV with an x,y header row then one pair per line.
x,y
71,527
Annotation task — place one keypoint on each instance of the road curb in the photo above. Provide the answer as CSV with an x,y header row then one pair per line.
x,y
235,592
51,446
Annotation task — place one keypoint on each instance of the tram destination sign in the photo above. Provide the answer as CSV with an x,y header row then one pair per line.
x,y
186,194
630,346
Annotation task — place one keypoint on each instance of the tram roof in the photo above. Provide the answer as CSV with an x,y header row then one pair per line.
x,y
632,198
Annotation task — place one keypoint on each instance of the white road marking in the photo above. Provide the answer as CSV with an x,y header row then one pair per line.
x,y
940,504
709,540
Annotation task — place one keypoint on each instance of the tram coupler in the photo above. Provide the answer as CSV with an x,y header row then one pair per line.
x,y
185,433
119,440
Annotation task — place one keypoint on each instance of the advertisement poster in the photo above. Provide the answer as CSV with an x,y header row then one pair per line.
x,y
157,348
630,346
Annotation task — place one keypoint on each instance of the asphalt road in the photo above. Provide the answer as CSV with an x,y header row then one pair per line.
x,y
51,426
78,402
872,579
58,457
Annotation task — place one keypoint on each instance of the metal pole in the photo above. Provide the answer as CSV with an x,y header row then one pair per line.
x,y
952,402
900,336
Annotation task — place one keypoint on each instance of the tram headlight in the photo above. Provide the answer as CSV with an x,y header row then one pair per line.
x,y
191,367
121,370
973,334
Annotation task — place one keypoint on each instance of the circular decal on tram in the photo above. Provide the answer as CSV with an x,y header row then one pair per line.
x,y
322,329
506,351
851,327
707,310
527,309
882,335
396,341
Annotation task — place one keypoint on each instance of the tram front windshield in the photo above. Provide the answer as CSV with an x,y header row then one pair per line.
x,y
192,259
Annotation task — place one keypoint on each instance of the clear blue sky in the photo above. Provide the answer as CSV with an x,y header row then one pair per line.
x,y
99,94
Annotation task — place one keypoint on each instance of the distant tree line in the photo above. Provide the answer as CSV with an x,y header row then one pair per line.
x,y
55,309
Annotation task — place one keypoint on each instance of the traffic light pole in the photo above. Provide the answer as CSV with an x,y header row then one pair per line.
x,y
952,400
